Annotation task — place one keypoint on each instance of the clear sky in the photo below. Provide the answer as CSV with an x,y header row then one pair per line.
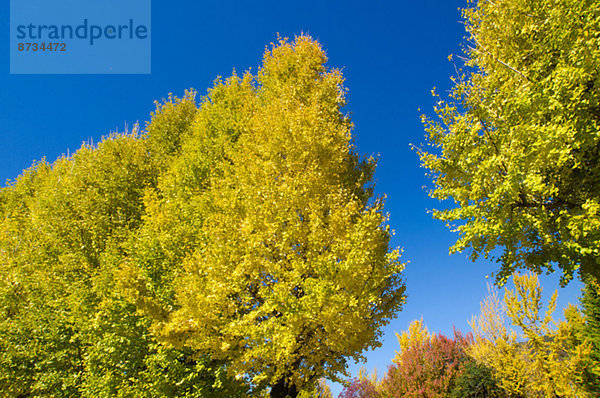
x,y
392,54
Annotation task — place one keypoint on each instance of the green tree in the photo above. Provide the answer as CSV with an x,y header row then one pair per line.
x,y
516,147
65,228
62,227
590,302
263,245
476,380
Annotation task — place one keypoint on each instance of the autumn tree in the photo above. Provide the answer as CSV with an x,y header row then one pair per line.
x,y
515,149
529,352
428,365
263,245
226,250
321,390
365,385
416,335
360,388
65,228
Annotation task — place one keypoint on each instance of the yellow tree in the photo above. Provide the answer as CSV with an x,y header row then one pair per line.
x,y
321,390
417,334
65,228
546,358
289,272
516,146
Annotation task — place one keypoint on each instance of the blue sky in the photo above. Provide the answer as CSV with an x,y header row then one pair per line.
x,y
392,54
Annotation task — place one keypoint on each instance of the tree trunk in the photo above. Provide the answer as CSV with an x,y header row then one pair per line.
x,y
282,389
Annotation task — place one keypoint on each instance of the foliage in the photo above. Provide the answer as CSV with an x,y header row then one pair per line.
x,y
426,367
64,230
360,388
416,335
590,302
321,390
61,226
234,243
516,147
546,358
476,380
262,245
365,385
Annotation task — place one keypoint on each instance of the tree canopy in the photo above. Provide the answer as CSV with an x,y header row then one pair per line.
x,y
516,146
429,365
590,332
531,353
278,257
64,330
231,247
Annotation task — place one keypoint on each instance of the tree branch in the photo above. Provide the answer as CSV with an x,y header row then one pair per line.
x,y
498,60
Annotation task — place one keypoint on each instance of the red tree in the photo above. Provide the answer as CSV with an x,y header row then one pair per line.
x,y
360,389
429,369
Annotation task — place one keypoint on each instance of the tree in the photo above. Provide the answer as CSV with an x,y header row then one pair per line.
x,y
590,302
65,228
56,241
476,380
516,147
283,267
428,365
321,390
547,358
360,388
416,335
